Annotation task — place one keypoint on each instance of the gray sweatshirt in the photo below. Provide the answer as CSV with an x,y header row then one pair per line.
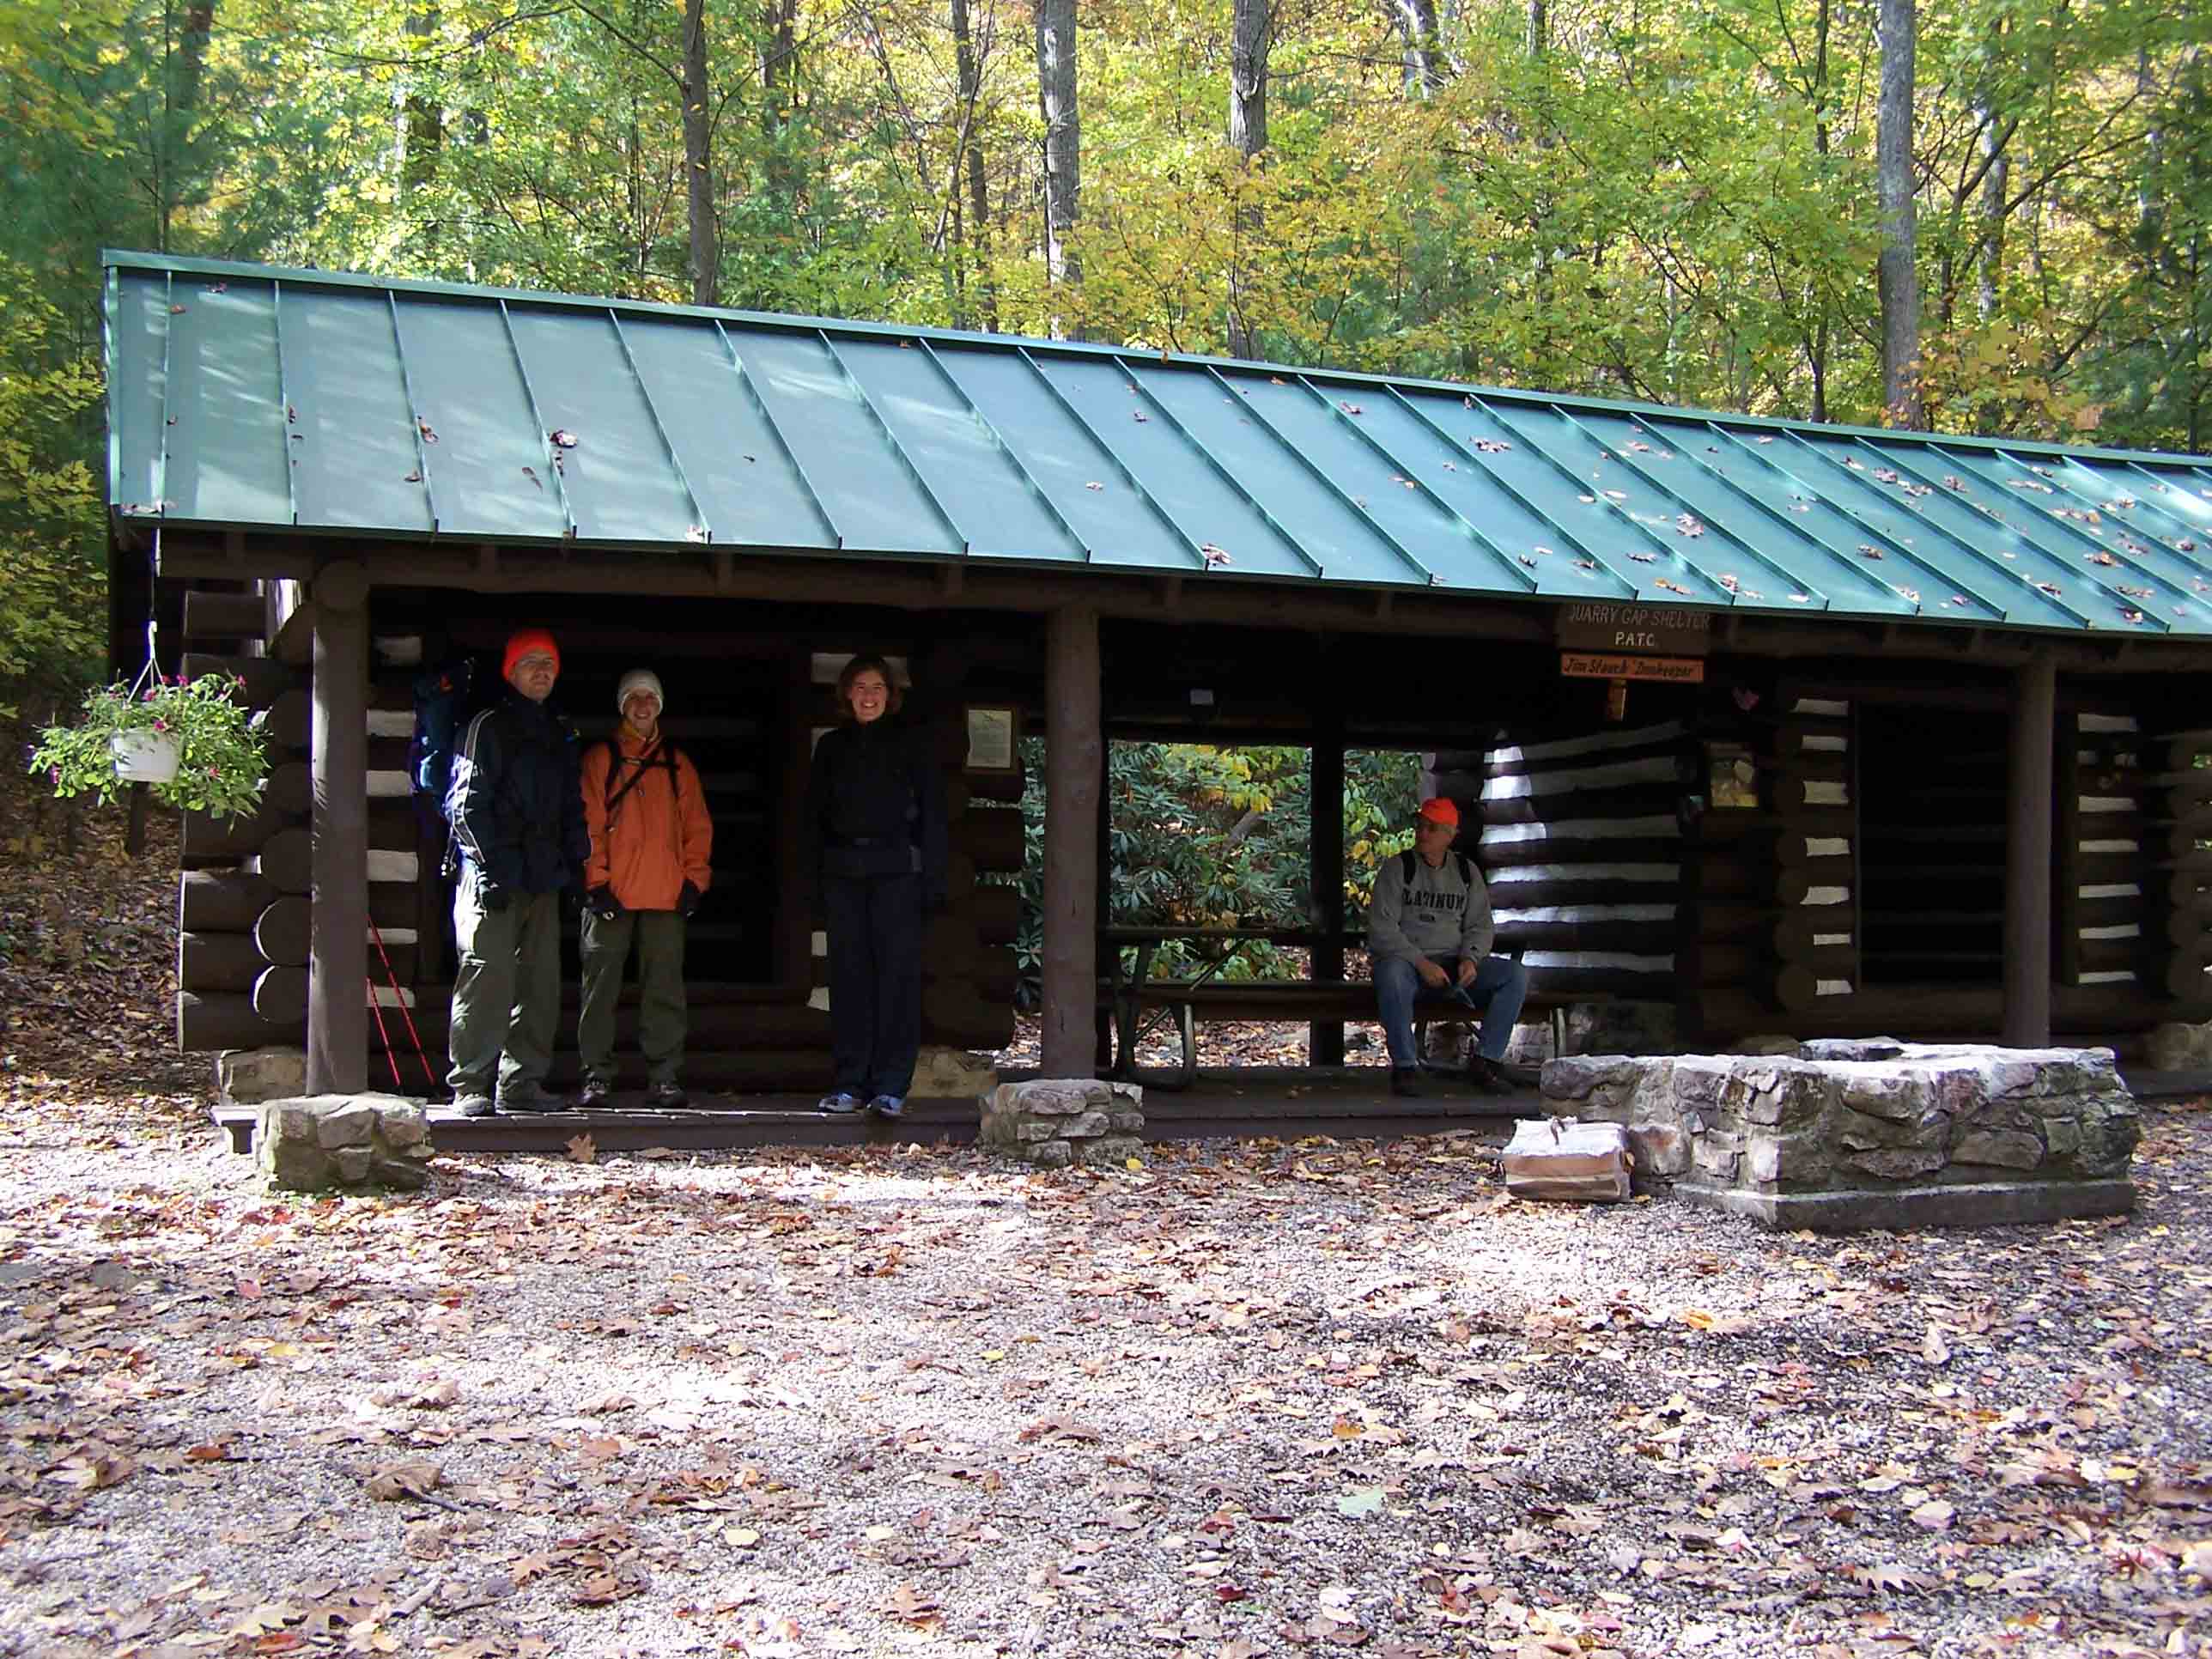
x,y
1436,915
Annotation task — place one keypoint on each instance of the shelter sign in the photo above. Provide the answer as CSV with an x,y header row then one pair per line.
x,y
1658,630
1610,665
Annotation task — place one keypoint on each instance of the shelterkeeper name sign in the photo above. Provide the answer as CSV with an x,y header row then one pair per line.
x,y
1608,665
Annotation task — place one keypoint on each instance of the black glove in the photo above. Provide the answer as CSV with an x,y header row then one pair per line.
x,y
687,902
601,901
494,899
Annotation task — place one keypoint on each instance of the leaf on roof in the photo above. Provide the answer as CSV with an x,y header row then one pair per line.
x,y
696,533
176,310
531,475
2186,545
1644,558
2100,558
1139,415
1539,551
1526,560
2137,592
1688,525
1616,494
1911,593
429,436
2050,588
1450,467
1587,498
1490,445
1671,588
1870,551
1350,407
1801,598
2130,615
1094,485
1214,556
412,477
291,416
561,438
1585,564
1953,481
1408,483
1956,598
1767,440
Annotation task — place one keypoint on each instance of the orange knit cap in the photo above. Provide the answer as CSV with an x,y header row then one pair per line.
x,y
1440,809
520,643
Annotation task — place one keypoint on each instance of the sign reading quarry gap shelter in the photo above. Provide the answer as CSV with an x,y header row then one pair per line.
x,y
1633,642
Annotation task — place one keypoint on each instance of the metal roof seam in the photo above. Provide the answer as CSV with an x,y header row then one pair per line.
x,y
768,418
1912,556
2003,565
1035,485
661,428
868,403
284,399
1226,475
417,424
1327,483
1597,494
1597,560
1797,582
1194,544
2072,531
546,446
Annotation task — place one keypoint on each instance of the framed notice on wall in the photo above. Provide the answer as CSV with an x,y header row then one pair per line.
x,y
992,729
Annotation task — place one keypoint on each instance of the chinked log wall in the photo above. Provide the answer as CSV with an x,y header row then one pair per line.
x,y
2174,867
1580,844
1772,886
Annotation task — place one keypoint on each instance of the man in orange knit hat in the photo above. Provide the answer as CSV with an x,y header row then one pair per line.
x,y
517,807
653,843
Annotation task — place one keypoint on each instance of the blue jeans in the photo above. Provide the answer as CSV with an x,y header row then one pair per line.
x,y
1500,987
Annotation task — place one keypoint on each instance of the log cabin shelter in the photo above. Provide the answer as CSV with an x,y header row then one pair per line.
x,y
1789,727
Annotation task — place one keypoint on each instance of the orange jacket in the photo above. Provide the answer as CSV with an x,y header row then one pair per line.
x,y
662,837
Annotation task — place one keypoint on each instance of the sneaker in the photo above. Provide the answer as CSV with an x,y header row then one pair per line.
x,y
594,1094
531,1097
891,1107
473,1105
1405,1080
840,1102
1488,1077
668,1094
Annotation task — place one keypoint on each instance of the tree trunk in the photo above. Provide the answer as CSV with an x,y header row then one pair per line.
x,y
1989,260
191,55
970,165
1055,53
1252,36
422,130
779,63
698,159
1416,21
1896,274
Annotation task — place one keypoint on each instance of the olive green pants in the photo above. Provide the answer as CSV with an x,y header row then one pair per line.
x,y
661,1021
507,990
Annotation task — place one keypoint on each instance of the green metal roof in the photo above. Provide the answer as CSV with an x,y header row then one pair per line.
x,y
251,397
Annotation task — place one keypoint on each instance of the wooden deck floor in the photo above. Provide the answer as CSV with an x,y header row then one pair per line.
x,y
1347,1103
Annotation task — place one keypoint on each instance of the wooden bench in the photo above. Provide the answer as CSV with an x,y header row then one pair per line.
x,y
1188,1001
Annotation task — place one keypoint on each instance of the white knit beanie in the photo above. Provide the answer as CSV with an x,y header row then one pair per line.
x,y
640,679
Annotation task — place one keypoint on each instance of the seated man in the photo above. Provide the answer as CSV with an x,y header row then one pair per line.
x,y
1430,910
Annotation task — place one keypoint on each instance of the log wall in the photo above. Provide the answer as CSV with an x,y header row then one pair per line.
x,y
2174,868
1579,839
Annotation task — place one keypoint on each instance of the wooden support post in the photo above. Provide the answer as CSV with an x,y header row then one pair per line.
x,y
1325,1038
2028,856
1074,758
338,965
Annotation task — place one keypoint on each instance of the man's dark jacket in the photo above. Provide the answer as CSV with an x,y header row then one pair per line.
x,y
517,803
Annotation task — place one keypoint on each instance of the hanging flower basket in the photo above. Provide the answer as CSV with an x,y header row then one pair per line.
x,y
194,747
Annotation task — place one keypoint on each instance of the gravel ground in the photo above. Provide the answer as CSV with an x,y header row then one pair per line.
x,y
1255,1398
1252,1399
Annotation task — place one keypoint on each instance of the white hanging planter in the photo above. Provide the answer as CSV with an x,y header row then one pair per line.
x,y
144,756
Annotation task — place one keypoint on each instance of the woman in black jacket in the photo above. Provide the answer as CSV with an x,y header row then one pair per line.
x,y
875,821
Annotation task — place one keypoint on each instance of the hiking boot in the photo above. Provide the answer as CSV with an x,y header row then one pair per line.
x,y
890,1108
1405,1080
531,1097
667,1094
1488,1077
594,1094
473,1105
841,1103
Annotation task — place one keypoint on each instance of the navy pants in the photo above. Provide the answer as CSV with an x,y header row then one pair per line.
x,y
875,980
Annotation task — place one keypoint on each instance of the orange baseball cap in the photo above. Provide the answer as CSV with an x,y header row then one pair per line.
x,y
1440,809
520,643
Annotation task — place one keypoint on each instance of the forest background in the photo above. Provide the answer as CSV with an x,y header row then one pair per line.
x,y
1975,216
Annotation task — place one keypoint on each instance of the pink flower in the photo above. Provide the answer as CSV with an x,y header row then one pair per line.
x,y
152,692
161,726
